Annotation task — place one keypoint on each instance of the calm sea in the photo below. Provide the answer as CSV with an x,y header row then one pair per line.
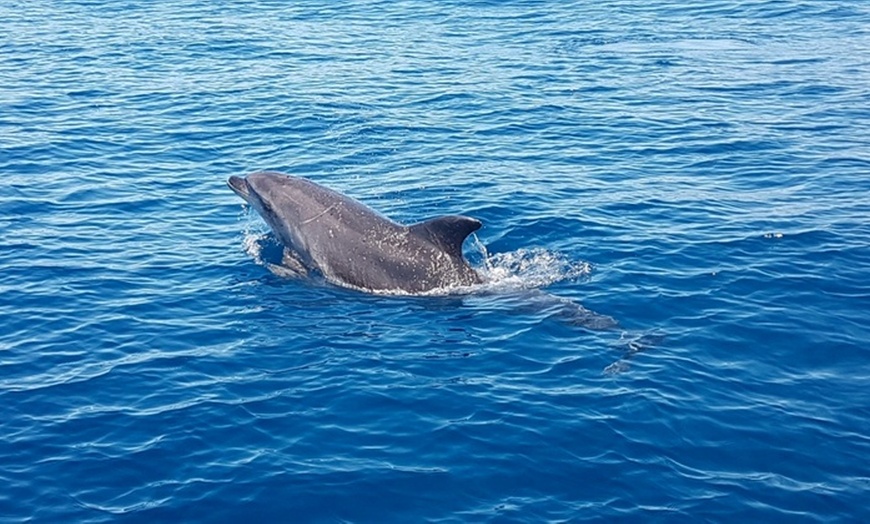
x,y
698,171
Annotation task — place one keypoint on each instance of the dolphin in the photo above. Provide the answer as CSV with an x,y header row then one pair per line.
x,y
353,245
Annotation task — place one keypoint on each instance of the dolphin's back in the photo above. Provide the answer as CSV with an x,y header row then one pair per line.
x,y
352,244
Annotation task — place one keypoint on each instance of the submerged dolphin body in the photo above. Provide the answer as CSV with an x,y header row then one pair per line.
x,y
352,245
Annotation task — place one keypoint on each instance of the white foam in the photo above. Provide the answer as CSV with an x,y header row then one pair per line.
x,y
529,268
253,246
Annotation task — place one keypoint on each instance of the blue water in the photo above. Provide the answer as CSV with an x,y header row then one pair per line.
x,y
700,173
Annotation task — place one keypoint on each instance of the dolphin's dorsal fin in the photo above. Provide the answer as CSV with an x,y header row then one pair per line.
x,y
447,232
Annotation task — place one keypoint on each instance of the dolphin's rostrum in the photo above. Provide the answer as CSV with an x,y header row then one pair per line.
x,y
352,245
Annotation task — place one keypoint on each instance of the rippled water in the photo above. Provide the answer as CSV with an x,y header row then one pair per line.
x,y
699,173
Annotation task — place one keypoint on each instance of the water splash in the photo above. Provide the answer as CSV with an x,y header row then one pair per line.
x,y
528,268
253,244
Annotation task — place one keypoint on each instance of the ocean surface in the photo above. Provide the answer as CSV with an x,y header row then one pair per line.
x,y
700,173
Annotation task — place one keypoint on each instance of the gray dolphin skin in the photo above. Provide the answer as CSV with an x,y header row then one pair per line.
x,y
350,244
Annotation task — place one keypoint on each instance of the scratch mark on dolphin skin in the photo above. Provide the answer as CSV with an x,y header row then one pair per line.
x,y
318,215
